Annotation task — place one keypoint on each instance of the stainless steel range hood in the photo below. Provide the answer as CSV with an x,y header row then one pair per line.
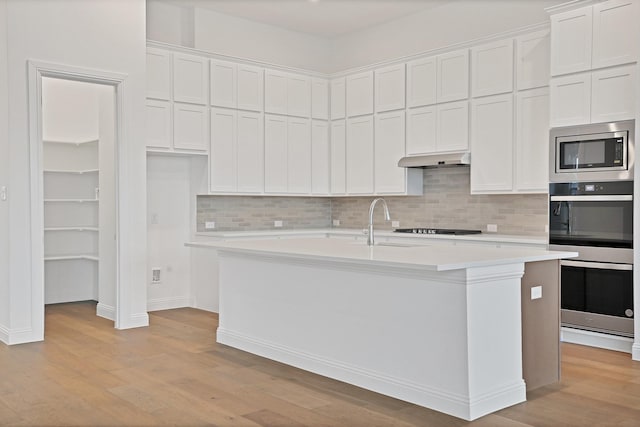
x,y
458,158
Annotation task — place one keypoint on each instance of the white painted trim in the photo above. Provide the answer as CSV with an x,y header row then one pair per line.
x,y
106,311
4,334
18,336
168,303
137,320
452,404
635,351
570,5
596,339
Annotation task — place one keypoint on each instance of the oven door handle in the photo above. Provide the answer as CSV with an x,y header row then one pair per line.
x,y
611,198
599,265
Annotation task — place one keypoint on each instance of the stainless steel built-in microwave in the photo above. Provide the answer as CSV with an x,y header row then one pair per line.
x,y
596,152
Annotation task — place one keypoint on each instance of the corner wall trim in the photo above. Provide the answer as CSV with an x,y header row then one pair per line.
x,y
106,311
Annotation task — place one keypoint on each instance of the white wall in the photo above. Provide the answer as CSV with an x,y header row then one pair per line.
x,y
455,22
95,34
170,23
69,110
4,178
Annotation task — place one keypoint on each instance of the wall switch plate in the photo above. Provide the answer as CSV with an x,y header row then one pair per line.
x,y
536,292
395,224
155,276
3,193
492,228
277,224
336,223
209,225
154,219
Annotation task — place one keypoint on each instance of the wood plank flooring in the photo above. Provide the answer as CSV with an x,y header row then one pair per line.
x,y
173,373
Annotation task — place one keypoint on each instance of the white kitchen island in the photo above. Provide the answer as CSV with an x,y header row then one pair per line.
x,y
438,326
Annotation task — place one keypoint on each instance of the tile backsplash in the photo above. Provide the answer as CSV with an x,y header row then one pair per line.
x,y
446,203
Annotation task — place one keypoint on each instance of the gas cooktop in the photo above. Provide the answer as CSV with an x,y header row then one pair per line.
x,y
452,231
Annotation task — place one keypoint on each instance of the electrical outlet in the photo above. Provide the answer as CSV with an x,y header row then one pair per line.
x,y
395,224
277,224
492,228
536,292
154,219
155,276
209,225
336,223
3,193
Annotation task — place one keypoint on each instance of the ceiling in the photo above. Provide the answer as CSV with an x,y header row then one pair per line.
x,y
324,18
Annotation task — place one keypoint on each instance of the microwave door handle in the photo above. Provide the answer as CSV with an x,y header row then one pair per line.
x,y
609,198
569,223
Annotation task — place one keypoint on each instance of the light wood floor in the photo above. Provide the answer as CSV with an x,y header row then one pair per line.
x,y
173,373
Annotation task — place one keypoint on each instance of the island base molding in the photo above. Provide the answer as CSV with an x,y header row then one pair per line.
x,y
449,341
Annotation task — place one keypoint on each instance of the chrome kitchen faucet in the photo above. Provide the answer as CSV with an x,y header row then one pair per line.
x,y
370,240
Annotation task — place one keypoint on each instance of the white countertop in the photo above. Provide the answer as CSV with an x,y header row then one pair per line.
x,y
429,257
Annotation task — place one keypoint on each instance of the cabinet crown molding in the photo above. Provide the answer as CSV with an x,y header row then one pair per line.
x,y
571,5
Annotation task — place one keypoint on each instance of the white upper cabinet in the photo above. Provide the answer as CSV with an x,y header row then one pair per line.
x,y
190,76
492,68
532,60
320,99
298,95
390,88
570,100
615,32
158,76
571,34
613,94
360,94
338,98
389,148
299,155
320,161
223,164
275,92
223,84
360,155
452,126
250,88
532,141
190,127
275,154
158,115
338,157
250,152
453,76
492,144
421,82
421,130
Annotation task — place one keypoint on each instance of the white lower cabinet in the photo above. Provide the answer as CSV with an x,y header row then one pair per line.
x,y
287,155
492,144
338,157
532,141
320,159
360,155
190,124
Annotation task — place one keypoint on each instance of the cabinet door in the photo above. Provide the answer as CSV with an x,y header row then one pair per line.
x,y
158,133
223,165
250,152
532,60
452,127
453,76
250,88
190,75
571,41
190,123
492,68
338,157
492,144
571,100
532,141
421,130
158,76
360,94
275,154
223,84
390,88
389,178
615,32
320,157
275,92
421,82
320,99
299,155
299,96
360,155
613,94
338,98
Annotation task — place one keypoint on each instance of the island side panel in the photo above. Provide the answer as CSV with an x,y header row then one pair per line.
x,y
405,335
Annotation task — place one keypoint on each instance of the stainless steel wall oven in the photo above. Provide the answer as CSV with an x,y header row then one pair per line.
x,y
592,214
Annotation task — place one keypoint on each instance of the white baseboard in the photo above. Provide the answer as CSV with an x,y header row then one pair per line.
x,y
440,400
168,303
136,320
635,351
4,334
106,311
597,339
18,336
